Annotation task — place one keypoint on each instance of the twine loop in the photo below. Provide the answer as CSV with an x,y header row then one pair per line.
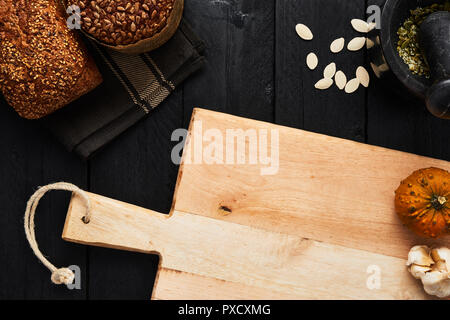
x,y
63,276
59,275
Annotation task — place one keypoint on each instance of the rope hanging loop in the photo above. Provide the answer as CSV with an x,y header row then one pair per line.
x,y
59,275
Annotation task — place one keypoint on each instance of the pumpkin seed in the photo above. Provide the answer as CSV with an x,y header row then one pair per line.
x,y
303,32
369,43
352,86
363,76
337,45
372,26
360,25
324,83
384,67
312,61
329,71
340,79
376,70
356,44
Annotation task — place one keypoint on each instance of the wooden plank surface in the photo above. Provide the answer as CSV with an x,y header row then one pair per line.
x,y
298,103
136,168
31,158
327,189
308,232
239,75
250,258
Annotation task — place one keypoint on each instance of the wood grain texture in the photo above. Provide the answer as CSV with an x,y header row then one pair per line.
x,y
31,158
239,75
174,284
245,257
135,167
297,103
327,189
310,231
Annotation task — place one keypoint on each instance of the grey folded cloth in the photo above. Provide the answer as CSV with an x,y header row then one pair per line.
x,y
133,86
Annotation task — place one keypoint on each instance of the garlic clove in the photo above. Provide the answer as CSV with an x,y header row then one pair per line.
x,y
439,266
442,257
420,255
418,271
437,283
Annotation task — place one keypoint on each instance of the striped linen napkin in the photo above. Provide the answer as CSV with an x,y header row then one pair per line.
x,y
133,86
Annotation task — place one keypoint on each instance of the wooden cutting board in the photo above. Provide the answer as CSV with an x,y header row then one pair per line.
x,y
322,227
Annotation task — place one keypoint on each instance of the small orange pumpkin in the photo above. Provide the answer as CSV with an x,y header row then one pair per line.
x,y
422,201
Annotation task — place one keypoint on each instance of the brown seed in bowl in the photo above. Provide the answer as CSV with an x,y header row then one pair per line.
x,y
120,22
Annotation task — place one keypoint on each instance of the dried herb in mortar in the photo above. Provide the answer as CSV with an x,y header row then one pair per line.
x,y
408,34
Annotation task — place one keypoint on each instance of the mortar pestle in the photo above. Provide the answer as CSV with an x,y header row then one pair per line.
x,y
435,42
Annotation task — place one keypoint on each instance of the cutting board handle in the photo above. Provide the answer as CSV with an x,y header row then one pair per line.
x,y
115,224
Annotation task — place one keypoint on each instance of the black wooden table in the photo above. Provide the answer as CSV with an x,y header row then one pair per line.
x,y
256,69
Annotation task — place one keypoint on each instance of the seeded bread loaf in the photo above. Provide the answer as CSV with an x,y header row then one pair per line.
x,y
130,26
43,64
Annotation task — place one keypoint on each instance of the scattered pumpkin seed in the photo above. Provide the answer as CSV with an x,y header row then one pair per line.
x,y
356,44
312,61
360,25
352,86
408,38
337,45
369,43
363,76
329,70
383,67
324,83
376,70
303,32
341,79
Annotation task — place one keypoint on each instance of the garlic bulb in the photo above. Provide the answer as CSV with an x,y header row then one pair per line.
x,y
432,267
